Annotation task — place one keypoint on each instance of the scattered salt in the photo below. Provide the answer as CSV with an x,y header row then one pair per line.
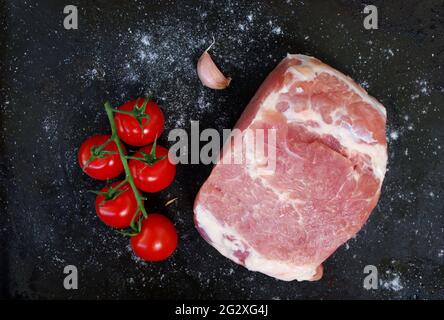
x,y
423,86
394,135
276,30
394,284
365,85
145,40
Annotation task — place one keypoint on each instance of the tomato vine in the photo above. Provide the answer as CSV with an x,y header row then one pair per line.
x,y
121,204
135,226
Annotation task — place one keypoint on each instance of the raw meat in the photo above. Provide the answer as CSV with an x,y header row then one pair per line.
x,y
331,157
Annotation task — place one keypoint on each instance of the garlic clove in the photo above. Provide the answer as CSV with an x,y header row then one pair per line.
x,y
209,74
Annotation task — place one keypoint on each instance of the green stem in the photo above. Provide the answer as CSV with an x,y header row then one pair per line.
x,y
102,146
130,113
129,177
120,184
98,150
135,158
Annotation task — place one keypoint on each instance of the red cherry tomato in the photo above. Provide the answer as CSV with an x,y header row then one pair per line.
x,y
152,177
117,208
107,164
136,133
157,239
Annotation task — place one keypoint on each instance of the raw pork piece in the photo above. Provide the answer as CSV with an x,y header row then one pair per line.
x,y
331,156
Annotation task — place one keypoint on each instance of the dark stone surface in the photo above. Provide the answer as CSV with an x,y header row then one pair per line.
x,y
53,83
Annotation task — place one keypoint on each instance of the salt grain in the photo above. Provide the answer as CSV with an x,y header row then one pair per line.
x,y
276,30
394,135
394,284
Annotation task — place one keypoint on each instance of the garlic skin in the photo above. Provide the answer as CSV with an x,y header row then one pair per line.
x,y
209,74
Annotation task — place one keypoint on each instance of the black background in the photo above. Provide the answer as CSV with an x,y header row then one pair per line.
x,y
53,84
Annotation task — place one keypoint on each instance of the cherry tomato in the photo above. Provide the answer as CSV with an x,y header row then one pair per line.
x,y
106,164
116,207
157,239
154,174
143,125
